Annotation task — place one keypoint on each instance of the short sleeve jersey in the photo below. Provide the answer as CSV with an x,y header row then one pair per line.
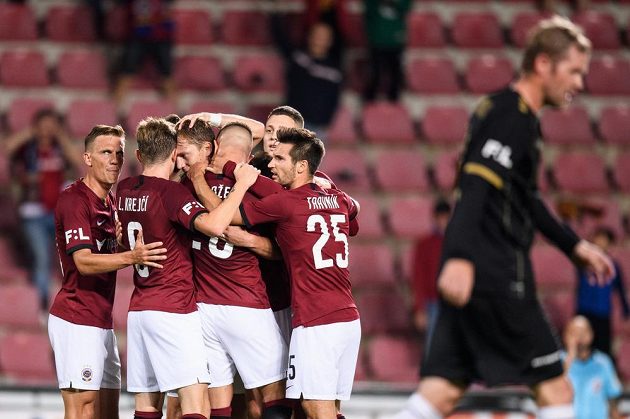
x,y
226,274
84,221
164,211
312,232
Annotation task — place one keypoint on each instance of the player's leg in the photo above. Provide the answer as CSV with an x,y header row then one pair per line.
x,y
254,402
554,398
79,404
148,405
276,406
194,401
107,403
109,394
221,401
173,409
435,398
320,409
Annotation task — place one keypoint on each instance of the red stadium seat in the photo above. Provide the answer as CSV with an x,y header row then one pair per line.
x,y
445,124
371,265
17,22
580,172
193,27
477,30
410,217
68,23
383,311
114,30
10,271
212,106
199,73
144,108
347,168
360,372
23,68
121,302
622,171
246,27
552,269
394,359
26,358
83,69
370,218
22,110
609,75
445,170
83,114
401,170
260,112
610,217
623,360
425,30
488,73
386,122
432,75
600,28
522,23
560,308
342,129
614,124
567,126
259,73
354,30
19,306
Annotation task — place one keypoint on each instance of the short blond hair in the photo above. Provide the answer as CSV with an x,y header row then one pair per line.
x,y
157,138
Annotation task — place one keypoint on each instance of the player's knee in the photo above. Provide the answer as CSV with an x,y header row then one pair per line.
x,y
440,393
556,391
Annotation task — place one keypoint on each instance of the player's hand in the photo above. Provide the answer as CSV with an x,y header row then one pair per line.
x,y
119,232
322,183
420,320
197,171
217,163
456,281
596,262
246,174
189,120
238,236
148,254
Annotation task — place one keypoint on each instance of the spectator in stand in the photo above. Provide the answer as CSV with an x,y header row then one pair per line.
x,y
426,265
594,302
386,27
40,156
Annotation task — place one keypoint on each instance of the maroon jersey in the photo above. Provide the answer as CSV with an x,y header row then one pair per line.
x,y
312,229
84,221
226,274
164,211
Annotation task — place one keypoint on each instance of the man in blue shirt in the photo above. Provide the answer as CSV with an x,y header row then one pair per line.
x,y
595,384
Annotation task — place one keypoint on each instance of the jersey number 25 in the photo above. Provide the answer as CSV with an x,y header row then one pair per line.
x,y
341,259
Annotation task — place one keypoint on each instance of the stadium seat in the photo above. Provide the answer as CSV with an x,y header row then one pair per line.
x,y
445,170
371,265
370,218
609,75
82,69
19,306
199,73
559,308
622,172
488,73
212,106
114,31
21,112
342,128
425,30
623,360
394,359
260,111
83,114
246,27
386,122
401,170
124,289
410,217
17,22
610,217
522,23
347,168
23,68
580,172
568,126
552,269
145,108
444,125
600,28
10,271
68,23
383,311
192,27
477,30
434,75
360,372
621,254
358,68
614,124
26,358
259,73
354,30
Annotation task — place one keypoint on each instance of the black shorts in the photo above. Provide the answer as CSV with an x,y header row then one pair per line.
x,y
494,340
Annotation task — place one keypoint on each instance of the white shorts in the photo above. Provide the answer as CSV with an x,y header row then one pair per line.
x,y
164,351
244,339
322,360
86,357
284,318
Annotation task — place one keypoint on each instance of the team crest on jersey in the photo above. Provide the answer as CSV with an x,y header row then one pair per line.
x,y
86,374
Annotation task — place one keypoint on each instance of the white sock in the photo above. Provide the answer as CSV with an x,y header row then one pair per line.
x,y
562,411
418,407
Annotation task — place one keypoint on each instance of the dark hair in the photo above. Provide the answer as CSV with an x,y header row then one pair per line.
x,y
306,146
553,37
46,113
201,132
99,130
441,207
172,118
606,232
235,124
290,112
157,138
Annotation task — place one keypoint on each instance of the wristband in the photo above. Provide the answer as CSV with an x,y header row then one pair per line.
x,y
215,119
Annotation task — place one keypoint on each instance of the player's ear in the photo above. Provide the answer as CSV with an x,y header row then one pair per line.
x,y
174,155
543,64
87,159
301,166
138,156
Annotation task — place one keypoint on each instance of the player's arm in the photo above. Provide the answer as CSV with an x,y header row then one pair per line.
x,y
219,120
208,198
259,245
261,188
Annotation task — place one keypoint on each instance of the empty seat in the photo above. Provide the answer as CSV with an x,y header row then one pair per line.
x,y
342,128
401,170
445,170
614,124
488,73
394,359
600,28
622,171
567,126
432,75
259,73
17,22
199,73
477,30
23,68
260,112
26,358
192,27
410,217
245,27
84,69
425,30
84,114
212,106
522,24
371,264
370,218
347,168
68,23
19,306
609,75
22,110
445,124
144,108
386,122
383,311
552,269
580,172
